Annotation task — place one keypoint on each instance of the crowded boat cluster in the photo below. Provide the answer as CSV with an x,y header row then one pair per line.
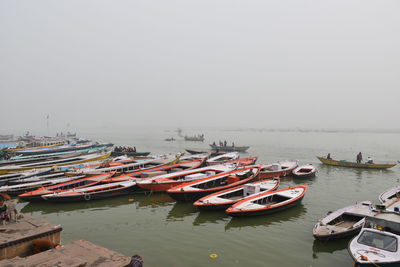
x,y
65,169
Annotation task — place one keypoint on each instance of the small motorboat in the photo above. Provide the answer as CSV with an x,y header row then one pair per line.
x,y
305,171
79,183
268,202
224,158
344,163
222,200
164,182
92,192
192,191
280,168
378,243
344,222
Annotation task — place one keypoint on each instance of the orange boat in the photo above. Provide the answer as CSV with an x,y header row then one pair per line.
x,y
80,183
164,182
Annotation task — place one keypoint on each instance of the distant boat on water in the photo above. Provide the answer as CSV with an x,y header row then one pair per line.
x,y
229,148
195,138
344,163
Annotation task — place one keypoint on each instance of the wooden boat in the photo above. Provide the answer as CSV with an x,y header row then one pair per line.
x,y
164,182
60,162
192,191
35,178
158,171
198,138
304,171
378,243
57,149
344,222
268,202
280,168
224,158
5,178
131,167
222,200
343,163
92,192
389,196
14,190
79,183
241,149
169,139
129,154
36,147
40,158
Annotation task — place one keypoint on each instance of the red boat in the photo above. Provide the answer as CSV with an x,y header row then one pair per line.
x,y
222,200
281,168
192,191
268,202
80,183
164,182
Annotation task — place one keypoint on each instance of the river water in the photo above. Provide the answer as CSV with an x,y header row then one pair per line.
x,y
167,233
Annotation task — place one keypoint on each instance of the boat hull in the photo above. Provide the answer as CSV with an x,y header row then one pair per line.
x,y
266,210
339,235
355,165
92,196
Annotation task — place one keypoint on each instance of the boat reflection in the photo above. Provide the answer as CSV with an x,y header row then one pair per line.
x,y
181,210
329,246
153,200
291,214
205,217
45,207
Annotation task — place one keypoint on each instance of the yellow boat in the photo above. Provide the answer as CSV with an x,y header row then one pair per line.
x,y
344,163
35,147
67,161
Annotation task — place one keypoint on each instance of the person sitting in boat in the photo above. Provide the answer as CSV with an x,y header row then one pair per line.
x,y
214,143
134,148
328,156
369,160
136,261
233,144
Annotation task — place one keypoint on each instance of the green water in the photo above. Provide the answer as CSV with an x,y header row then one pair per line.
x,y
166,233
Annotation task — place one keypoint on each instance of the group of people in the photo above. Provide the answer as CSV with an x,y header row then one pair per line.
x,y
359,158
124,149
224,144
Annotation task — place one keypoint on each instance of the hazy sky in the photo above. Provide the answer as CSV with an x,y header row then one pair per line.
x,y
205,63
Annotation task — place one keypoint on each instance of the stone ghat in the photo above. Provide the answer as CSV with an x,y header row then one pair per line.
x,y
16,238
77,254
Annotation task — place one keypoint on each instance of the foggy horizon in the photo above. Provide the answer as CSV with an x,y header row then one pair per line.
x,y
198,64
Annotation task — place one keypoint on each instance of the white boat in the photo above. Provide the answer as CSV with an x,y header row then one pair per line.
x,y
224,158
344,222
390,195
222,200
377,244
305,171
